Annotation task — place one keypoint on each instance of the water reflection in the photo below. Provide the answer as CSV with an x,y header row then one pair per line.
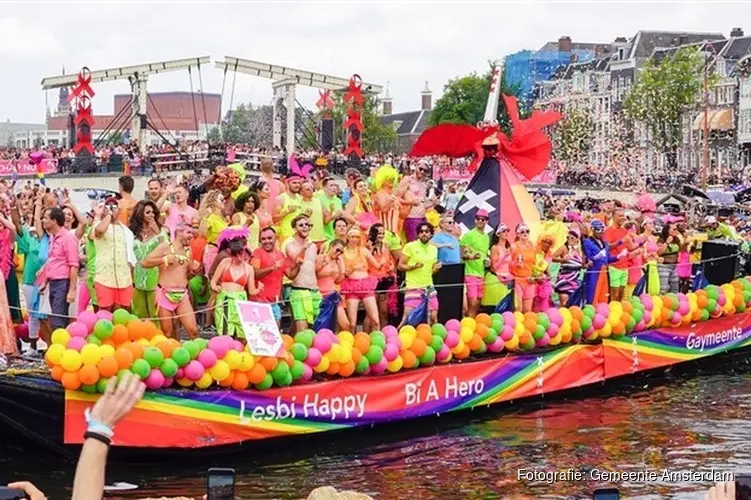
x,y
692,424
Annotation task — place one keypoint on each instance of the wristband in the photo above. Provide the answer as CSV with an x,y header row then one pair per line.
x,y
98,437
97,427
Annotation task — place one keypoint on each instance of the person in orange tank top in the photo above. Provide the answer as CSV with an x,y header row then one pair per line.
x,y
523,253
330,272
359,285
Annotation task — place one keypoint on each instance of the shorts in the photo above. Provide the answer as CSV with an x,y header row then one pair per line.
x,y
618,277
170,299
358,289
413,298
475,286
305,304
524,289
108,297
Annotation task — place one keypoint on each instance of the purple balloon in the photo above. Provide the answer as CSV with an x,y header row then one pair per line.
x,y
78,329
89,319
496,345
390,331
155,379
314,357
452,339
391,352
443,353
207,358
102,314
507,333
453,325
194,370
76,343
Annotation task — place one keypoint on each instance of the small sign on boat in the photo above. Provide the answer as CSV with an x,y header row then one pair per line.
x,y
261,331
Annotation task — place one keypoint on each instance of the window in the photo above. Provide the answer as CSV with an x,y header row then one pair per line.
x,y
746,87
744,121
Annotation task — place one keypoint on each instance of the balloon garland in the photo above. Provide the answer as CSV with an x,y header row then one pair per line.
x,y
98,346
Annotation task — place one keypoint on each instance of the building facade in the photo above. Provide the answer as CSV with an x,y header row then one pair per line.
x,y
407,124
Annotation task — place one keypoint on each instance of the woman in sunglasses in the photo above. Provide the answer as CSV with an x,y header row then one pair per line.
x,y
571,258
498,279
597,251
358,284
330,272
523,253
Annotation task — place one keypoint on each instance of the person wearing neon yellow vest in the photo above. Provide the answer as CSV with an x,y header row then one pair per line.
x,y
312,207
289,206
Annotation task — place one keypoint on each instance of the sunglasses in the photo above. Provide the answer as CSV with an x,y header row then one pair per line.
x,y
484,219
338,251
304,224
522,232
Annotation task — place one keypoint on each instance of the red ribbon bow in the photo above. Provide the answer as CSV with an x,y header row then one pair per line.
x,y
84,85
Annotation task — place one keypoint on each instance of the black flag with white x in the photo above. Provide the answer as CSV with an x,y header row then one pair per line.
x,y
482,193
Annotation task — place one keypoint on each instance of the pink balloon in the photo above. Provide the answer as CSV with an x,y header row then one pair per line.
x,y
555,316
553,330
496,345
314,357
194,370
322,342
452,339
588,334
676,319
155,379
602,309
102,314
221,346
237,346
207,358
390,331
78,329
646,300
721,299
89,319
307,373
507,333
443,353
640,326
379,367
509,319
36,157
598,321
647,317
683,308
167,382
391,352
543,341
76,343
453,325
324,331
180,374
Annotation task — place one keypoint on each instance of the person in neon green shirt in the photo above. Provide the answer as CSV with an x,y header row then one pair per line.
x,y
312,207
419,260
333,205
288,207
475,245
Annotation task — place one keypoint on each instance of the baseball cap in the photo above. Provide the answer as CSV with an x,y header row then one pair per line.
x,y
710,219
597,225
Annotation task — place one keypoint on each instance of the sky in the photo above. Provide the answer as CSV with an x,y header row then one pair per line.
x,y
400,43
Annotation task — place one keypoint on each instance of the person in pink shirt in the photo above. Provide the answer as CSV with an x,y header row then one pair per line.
x,y
179,211
60,273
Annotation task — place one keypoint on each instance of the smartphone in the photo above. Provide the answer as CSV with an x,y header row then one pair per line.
x,y
743,486
11,494
220,484
606,494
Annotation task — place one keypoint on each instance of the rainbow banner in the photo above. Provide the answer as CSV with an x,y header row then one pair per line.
x,y
194,419
668,346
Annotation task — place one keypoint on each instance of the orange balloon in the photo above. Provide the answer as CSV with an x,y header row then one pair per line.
x,y
696,315
57,373
702,300
268,363
333,369
288,341
409,358
666,314
464,353
240,381
289,359
627,306
362,342
576,313
124,358
108,342
418,347
108,366
482,330
530,325
483,319
737,300
166,347
135,349
150,330
667,302
227,382
476,342
347,369
88,374
71,381
136,330
119,334
575,325
525,337
424,332
356,355
257,373
619,329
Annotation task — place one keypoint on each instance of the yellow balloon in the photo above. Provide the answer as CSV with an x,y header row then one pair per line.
x,y
346,354
606,331
395,365
519,317
459,347
54,353
614,319
409,330
143,342
406,339
556,339
335,353
346,337
518,329
71,360
220,370
233,359
60,336
91,354
565,333
184,382
323,365
466,334
157,338
106,350
469,323
246,361
512,343
205,381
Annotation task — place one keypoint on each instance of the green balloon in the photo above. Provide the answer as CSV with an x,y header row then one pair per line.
x,y
103,328
480,350
141,367
543,320
168,367
285,381
528,346
266,383
746,296
741,307
496,316
362,365
88,388
299,351
153,356
631,324
192,347
497,324
121,317
280,371
181,356
712,292
93,339
539,332
589,311
122,373
711,305
297,370
637,315
374,354
436,343
438,330
378,339
586,323
576,336
202,344
704,315
428,357
305,338
492,335
102,384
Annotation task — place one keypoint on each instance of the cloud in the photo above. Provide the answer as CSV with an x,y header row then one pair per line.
x,y
25,40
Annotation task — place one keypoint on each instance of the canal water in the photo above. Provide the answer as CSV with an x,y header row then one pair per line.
x,y
682,424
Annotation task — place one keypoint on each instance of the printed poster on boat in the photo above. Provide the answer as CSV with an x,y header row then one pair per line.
x,y
261,331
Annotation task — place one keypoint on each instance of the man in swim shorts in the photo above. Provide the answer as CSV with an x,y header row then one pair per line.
x,y
177,266
304,298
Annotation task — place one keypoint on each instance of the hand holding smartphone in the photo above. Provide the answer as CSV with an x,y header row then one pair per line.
x,y
220,484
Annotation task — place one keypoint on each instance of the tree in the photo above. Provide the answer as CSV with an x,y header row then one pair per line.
x,y
376,137
247,124
214,135
464,100
573,137
663,92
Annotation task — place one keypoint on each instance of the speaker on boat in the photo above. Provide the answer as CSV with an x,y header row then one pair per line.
x,y
450,292
720,258
71,130
326,134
